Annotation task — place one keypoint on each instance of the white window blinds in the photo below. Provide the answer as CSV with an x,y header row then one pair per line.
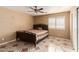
x,y
51,22
57,22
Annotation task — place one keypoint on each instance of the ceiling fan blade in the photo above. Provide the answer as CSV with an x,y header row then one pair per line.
x,y
31,8
41,11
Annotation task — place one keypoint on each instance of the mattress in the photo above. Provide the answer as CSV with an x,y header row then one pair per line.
x,y
39,33
41,36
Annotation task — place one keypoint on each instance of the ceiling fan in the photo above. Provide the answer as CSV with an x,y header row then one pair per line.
x,y
36,9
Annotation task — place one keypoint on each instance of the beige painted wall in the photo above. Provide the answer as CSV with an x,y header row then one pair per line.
x,y
12,21
41,19
58,33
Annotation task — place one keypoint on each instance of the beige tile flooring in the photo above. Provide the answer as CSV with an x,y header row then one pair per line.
x,y
53,44
50,44
61,45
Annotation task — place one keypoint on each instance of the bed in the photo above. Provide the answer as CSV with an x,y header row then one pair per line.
x,y
35,35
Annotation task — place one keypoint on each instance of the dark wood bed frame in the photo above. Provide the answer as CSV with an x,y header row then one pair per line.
x,y
31,37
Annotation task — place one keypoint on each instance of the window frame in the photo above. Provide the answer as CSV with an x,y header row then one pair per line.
x,y
56,25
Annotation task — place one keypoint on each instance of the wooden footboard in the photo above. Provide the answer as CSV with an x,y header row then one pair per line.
x,y
28,37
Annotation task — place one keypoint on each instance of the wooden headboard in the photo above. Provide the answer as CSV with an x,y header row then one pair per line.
x,y
43,26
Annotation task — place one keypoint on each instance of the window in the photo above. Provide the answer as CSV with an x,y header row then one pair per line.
x,y
57,22
51,22
60,22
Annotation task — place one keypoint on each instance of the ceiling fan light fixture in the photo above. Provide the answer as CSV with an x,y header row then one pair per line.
x,y
36,10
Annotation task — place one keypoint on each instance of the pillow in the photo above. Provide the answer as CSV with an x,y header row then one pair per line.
x,y
39,28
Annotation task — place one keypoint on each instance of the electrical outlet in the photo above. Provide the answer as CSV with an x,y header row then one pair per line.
x,y
3,39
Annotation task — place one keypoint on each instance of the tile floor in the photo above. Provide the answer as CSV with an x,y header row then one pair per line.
x,y
49,44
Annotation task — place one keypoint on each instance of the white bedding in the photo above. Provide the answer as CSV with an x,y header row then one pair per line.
x,y
38,32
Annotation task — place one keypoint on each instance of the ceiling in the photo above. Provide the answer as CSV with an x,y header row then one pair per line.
x,y
47,9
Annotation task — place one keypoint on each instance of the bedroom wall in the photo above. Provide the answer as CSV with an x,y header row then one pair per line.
x,y
12,21
41,19
54,32
62,33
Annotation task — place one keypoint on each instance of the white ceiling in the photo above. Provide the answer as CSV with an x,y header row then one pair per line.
x,y
47,9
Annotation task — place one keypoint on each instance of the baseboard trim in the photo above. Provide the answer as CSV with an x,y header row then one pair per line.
x,y
7,42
